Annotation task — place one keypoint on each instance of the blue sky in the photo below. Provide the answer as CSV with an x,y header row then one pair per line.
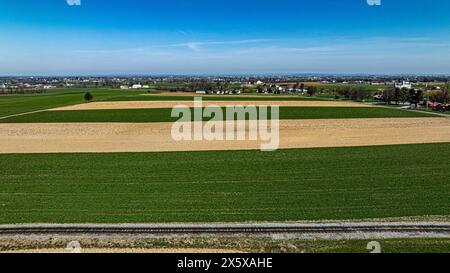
x,y
50,37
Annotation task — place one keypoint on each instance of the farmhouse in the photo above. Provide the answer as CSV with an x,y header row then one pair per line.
x,y
139,86
403,84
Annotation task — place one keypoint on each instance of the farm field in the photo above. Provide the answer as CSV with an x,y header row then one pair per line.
x,y
219,127
16,104
226,186
188,97
157,137
65,166
116,105
164,114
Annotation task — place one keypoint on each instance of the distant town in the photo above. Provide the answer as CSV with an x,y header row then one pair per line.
x,y
271,84
425,92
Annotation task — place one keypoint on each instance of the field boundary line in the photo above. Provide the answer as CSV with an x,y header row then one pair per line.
x,y
23,114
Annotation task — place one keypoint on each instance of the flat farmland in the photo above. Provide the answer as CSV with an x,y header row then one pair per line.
x,y
189,96
226,186
115,105
164,114
106,137
16,104
98,166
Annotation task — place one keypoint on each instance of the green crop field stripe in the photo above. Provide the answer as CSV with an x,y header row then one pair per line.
x,y
16,104
226,186
164,115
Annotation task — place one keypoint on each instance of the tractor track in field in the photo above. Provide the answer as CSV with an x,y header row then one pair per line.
x,y
22,114
330,230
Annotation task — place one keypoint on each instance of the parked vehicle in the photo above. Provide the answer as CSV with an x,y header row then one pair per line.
x,y
442,107
433,106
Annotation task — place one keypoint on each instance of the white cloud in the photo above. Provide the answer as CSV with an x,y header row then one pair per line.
x,y
197,46
193,46
374,2
388,54
73,2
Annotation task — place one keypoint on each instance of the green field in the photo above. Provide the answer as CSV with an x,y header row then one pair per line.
x,y
164,115
286,185
15,104
411,245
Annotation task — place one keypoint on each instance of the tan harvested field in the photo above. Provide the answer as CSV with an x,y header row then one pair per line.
x,y
156,137
171,104
245,95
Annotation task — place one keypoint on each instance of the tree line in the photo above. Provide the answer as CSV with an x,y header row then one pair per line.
x,y
415,96
397,95
10,91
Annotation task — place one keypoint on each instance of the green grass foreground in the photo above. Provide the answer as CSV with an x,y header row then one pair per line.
x,y
164,115
412,245
248,245
226,186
